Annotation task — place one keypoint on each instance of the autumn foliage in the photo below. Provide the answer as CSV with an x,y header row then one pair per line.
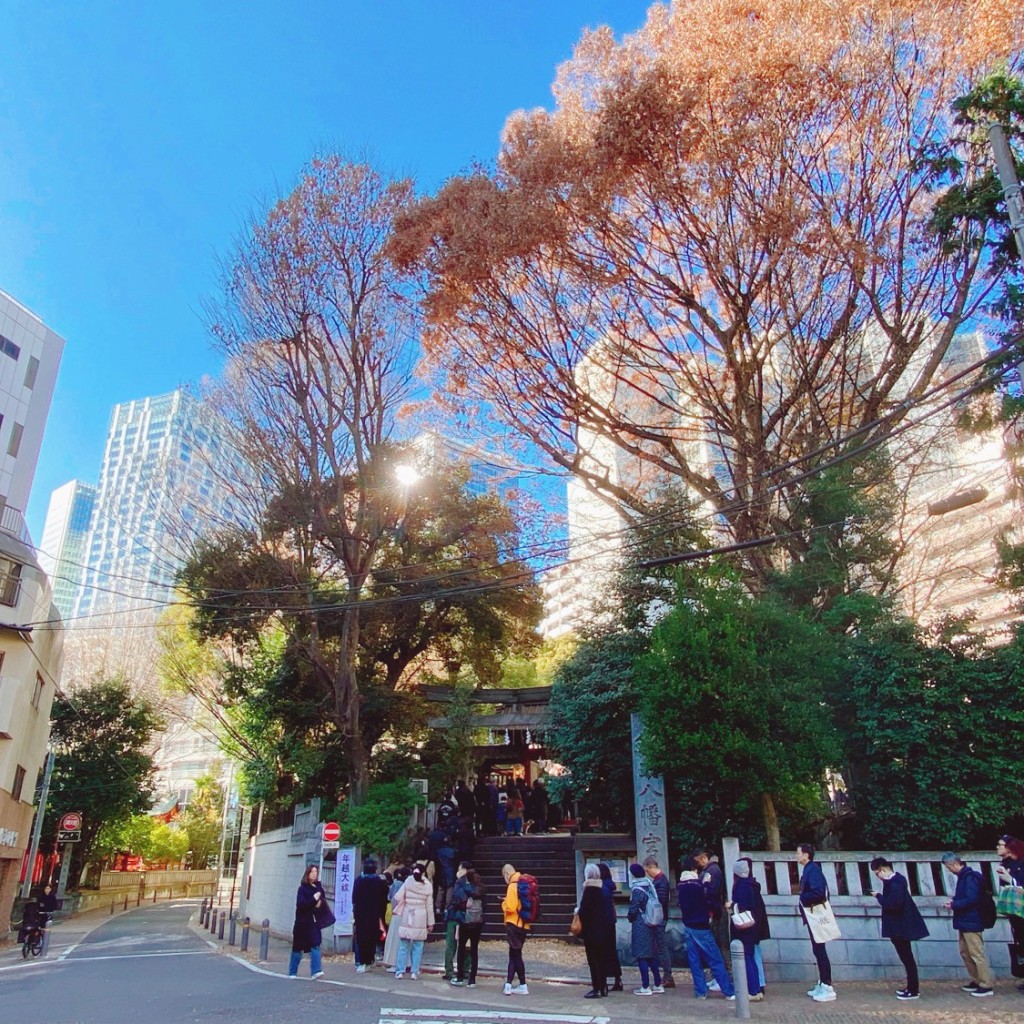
x,y
714,256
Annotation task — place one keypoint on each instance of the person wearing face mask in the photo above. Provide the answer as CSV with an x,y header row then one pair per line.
x,y
902,922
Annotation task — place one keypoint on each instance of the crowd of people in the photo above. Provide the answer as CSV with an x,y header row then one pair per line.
x,y
398,910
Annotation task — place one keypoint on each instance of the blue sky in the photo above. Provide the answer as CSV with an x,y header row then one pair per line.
x,y
135,139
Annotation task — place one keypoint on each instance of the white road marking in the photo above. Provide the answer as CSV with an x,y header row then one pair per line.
x,y
137,956
390,1015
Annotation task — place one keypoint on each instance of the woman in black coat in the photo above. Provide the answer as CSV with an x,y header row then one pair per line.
x,y
593,917
613,968
369,905
310,903
1011,872
902,922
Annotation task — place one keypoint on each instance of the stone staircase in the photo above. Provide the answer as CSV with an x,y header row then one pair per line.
x,y
550,858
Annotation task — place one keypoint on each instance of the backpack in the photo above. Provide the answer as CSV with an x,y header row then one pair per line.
x,y
529,898
654,912
986,903
474,910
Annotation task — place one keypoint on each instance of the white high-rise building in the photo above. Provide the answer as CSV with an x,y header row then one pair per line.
x,y
30,638
62,549
166,478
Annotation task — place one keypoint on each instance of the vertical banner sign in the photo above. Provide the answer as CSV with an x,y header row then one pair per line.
x,y
649,805
345,875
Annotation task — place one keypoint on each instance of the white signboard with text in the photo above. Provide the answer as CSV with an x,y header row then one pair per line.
x,y
344,877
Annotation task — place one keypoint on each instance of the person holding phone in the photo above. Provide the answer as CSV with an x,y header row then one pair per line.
x,y
902,922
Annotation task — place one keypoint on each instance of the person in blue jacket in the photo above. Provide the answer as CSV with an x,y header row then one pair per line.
x,y
697,915
902,922
813,892
966,907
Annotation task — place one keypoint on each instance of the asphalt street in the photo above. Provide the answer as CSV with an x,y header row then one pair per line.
x,y
148,967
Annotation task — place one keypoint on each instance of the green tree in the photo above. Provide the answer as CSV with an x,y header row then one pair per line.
x,y
733,690
103,769
202,818
378,824
592,696
929,720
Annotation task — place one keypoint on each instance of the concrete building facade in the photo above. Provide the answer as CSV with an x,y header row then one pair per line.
x,y
30,632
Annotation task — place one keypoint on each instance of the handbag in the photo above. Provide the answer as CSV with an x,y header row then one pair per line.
x,y
822,922
1016,960
576,928
742,919
1011,901
323,915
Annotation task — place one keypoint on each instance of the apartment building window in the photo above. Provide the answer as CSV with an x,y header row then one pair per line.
x,y
30,373
19,782
14,444
10,582
37,691
9,348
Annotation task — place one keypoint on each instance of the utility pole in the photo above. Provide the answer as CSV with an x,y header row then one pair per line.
x,y
37,828
224,823
1006,168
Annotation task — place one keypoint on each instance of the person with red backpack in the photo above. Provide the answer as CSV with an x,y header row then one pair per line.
x,y
521,908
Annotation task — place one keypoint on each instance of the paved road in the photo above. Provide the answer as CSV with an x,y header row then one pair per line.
x,y
148,967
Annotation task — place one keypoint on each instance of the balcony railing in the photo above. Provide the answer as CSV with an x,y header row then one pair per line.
x,y
13,522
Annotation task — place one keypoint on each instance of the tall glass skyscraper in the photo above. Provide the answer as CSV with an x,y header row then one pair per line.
x,y
62,549
166,478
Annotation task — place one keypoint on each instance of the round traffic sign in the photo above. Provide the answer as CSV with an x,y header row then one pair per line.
x,y
332,832
71,822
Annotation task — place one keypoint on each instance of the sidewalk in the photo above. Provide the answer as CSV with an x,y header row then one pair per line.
x,y
63,935
557,977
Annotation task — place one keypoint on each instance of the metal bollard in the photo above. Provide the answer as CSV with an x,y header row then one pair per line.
x,y
111,908
233,922
213,921
244,947
202,911
126,901
739,980
220,927
154,895
138,897
265,939
46,942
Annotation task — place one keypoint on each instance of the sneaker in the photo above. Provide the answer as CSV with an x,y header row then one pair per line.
x,y
907,994
521,990
969,987
642,992
360,968
758,998
292,977
982,992
696,996
415,977
713,986
730,999
319,974
812,992
471,984
826,994
658,990
399,975
507,990
456,983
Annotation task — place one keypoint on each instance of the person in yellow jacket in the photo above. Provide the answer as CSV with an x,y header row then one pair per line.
x,y
516,930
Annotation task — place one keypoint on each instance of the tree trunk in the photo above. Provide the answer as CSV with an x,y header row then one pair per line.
x,y
348,701
773,841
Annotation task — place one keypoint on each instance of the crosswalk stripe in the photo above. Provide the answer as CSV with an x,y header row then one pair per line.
x,y
391,1015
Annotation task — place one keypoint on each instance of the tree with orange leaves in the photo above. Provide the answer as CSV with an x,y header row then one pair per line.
x,y
713,260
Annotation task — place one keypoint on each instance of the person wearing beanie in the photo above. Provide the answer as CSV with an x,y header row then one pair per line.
x,y
745,900
642,938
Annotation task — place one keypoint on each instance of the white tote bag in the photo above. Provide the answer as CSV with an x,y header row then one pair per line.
x,y
822,922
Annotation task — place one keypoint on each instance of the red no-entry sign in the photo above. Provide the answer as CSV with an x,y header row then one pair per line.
x,y
71,822
332,832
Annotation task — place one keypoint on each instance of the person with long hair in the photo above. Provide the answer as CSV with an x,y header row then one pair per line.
x,y
310,900
414,906
369,904
745,899
613,968
1011,872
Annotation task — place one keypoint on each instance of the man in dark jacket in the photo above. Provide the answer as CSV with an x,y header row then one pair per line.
x,y
966,907
662,888
700,942
902,922
814,892
713,880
